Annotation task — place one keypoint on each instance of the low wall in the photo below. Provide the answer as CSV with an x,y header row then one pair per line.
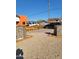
x,y
20,32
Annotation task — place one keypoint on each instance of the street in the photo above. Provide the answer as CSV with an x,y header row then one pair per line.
x,y
41,45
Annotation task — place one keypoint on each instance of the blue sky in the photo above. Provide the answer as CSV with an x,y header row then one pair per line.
x,y
38,9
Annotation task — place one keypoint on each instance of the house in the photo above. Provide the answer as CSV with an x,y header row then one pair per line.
x,y
21,20
55,21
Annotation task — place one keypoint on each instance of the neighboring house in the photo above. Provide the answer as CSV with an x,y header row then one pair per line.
x,y
56,21
21,20
53,20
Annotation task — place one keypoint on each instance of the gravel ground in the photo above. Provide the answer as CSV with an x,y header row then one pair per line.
x,y
41,45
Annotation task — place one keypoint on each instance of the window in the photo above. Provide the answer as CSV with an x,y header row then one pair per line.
x,y
23,23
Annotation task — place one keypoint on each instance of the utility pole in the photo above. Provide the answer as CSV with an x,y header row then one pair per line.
x,y
48,9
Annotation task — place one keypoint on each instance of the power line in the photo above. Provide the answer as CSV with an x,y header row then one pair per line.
x,y
46,11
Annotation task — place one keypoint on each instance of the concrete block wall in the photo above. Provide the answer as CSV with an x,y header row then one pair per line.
x,y
20,32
